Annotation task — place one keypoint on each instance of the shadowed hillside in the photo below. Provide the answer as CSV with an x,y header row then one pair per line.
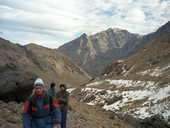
x,y
21,65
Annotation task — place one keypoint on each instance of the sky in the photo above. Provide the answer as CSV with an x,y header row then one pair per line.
x,y
52,23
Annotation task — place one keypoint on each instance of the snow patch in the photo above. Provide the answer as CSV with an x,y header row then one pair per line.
x,y
70,89
148,100
130,83
155,72
161,94
95,83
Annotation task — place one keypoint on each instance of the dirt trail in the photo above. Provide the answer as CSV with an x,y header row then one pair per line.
x,y
86,116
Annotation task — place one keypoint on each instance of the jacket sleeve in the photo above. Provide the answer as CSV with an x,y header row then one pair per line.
x,y
56,112
26,119
67,97
63,100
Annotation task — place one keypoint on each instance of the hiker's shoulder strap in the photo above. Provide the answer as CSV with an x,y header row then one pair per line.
x,y
31,104
31,99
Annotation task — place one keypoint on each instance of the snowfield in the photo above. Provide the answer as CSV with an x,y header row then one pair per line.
x,y
156,71
123,83
145,101
129,83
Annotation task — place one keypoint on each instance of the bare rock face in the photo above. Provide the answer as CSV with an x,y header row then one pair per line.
x,y
93,53
15,84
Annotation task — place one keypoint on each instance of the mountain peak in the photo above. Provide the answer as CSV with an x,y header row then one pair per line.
x,y
109,29
84,35
114,29
165,28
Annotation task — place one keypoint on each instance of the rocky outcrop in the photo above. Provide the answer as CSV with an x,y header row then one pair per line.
x,y
115,68
93,53
15,84
10,115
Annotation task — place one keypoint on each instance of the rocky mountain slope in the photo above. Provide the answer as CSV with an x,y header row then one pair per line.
x,y
136,89
93,53
21,65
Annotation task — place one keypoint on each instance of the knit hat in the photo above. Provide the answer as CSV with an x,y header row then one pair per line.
x,y
38,82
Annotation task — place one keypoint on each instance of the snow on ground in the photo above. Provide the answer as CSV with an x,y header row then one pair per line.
x,y
155,72
70,89
95,83
129,83
142,112
161,94
123,83
128,96
151,98
150,108
92,90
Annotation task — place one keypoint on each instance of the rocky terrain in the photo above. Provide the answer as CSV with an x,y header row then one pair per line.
x,y
21,65
16,84
130,93
80,116
93,53
136,89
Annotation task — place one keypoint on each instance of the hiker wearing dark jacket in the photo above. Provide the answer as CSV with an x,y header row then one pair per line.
x,y
63,98
51,90
40,109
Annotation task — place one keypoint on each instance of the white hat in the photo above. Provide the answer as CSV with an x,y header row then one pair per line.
x,y
38,82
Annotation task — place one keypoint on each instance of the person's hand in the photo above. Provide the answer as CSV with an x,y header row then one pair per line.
x,y
57,126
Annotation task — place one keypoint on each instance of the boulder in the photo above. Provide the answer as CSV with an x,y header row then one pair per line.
x,y
15,83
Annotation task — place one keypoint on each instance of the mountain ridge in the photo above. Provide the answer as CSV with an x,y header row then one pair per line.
x,y
32,61
92,53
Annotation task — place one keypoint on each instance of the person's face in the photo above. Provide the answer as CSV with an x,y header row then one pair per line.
x,y
62,88
39,90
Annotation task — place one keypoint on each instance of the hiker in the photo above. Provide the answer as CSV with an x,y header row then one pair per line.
x,y
40,109
63,98
51,90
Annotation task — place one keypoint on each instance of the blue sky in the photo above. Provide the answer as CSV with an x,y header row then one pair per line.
x,y
52,23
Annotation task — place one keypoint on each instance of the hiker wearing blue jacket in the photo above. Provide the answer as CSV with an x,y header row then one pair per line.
x,y
40,109
51,90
